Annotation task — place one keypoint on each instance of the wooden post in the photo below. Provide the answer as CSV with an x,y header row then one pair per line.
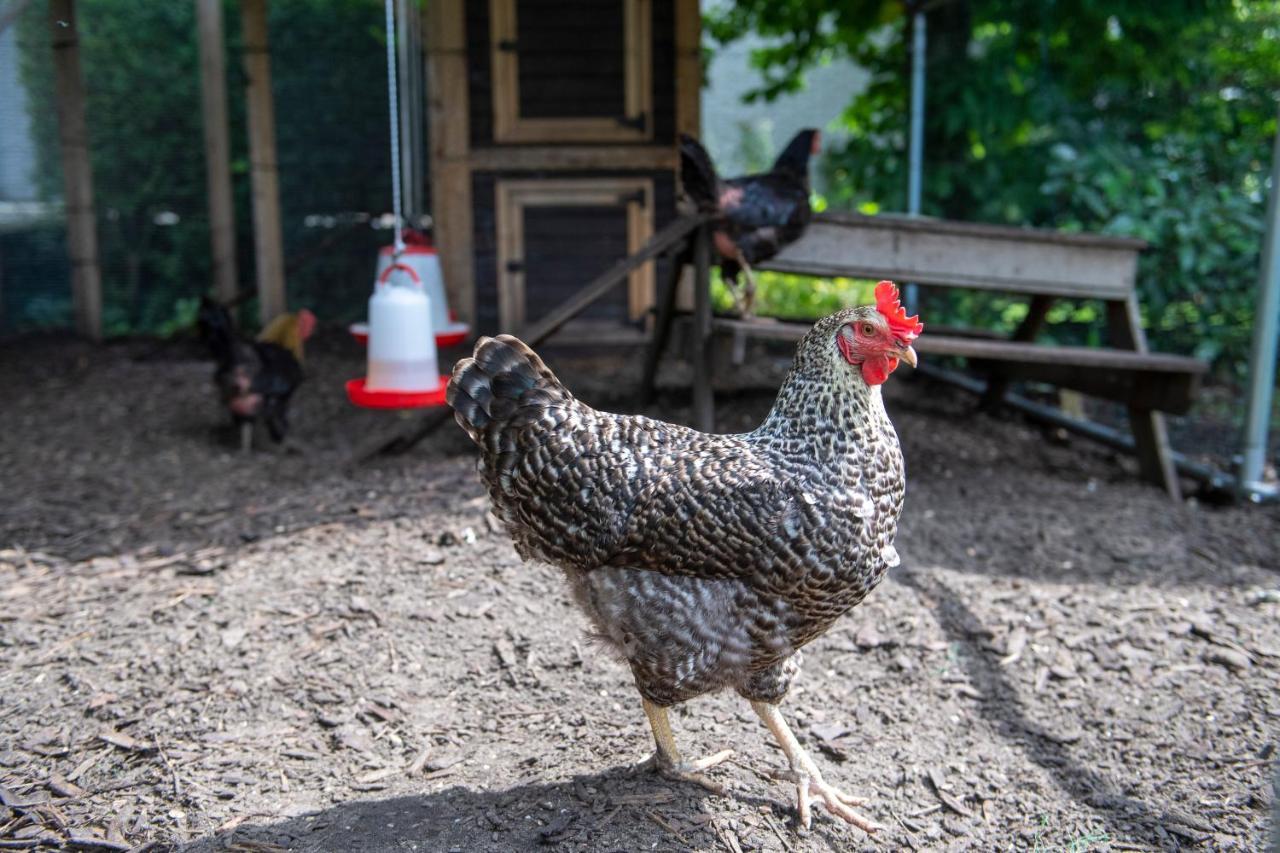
x,y
449,132
688,67
77,173
704,416
662,326
217,150
264,169
1150,436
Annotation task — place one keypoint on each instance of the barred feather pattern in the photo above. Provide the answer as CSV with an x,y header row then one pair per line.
x,y
706,561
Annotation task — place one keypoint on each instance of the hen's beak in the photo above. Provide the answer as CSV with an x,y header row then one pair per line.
x,y
908,355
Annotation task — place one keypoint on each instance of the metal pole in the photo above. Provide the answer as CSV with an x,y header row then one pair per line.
x,y
1262,359
915,149
394,111
404,63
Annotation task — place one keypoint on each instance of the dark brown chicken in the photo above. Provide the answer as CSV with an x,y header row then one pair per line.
x,y
756,215
706,561
255,381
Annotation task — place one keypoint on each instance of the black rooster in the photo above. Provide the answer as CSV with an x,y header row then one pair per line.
x,y
756,215
255,381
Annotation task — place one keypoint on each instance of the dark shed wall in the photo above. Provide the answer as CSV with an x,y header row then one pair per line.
x,y
571,89
584,265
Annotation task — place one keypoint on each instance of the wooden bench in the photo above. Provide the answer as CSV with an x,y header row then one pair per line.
x,y
1042,265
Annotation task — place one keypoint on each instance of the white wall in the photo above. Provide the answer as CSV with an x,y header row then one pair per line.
x,y
17,153
726,120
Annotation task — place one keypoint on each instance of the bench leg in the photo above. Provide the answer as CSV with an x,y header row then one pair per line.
x,y
1151,441
997,382
1150,436
703,399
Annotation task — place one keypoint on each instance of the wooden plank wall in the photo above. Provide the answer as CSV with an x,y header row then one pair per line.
x,y
584,267
480,76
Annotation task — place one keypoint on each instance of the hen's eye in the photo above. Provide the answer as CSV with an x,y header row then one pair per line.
x,y
868,329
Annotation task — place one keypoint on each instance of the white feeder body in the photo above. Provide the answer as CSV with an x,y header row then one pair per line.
x,y
426,264
402,344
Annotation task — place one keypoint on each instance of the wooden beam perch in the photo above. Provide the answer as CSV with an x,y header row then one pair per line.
x,y
77,172
264,169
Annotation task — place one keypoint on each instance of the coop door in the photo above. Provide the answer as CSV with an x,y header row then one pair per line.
x,y
555,236
571,70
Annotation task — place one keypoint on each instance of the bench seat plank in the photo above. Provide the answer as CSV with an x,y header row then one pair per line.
x,y
1151,381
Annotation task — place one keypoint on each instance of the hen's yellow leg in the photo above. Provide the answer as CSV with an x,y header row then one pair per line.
x,y
747,301
667,760
808,779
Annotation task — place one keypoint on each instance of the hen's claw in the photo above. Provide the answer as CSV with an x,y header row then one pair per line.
x,y
836,801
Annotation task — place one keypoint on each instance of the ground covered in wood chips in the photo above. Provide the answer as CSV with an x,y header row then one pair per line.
x,y
282,652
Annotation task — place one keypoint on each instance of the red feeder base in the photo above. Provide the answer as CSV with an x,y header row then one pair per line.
x,y
361,396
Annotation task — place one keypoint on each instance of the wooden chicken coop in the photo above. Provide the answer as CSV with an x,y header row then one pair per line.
x,y
552,128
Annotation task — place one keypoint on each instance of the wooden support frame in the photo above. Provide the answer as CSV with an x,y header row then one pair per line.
x,y
688,68
449,137
513,197
704,415
575,157
510,126
264,168
217,150
77,172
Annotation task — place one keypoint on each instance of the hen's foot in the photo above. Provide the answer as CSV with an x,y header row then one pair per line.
x,y
667,760
746,302
837,802
689,771
810,785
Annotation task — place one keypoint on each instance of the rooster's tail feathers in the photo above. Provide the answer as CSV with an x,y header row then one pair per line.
x,y
502,375
698,174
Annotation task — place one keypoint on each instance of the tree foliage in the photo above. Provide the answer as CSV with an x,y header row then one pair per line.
x,y
1152,120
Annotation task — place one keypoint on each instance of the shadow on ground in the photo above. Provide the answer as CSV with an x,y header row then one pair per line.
x,y
618,809
1046,744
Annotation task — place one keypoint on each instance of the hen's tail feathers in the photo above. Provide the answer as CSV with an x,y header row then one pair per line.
x,y
698,174
502,377
218,331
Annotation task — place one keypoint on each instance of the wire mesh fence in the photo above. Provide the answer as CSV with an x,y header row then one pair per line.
x,y
141,70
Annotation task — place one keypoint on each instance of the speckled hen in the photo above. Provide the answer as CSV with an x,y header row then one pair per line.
x,y
706,561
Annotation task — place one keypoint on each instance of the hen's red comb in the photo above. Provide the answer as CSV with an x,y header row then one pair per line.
x,y
904,328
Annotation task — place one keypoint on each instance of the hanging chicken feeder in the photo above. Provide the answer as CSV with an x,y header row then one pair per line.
x,y
403,369
408,317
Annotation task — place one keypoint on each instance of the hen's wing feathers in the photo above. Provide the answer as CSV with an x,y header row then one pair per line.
x,y
769,200
585,489
714,516
577,497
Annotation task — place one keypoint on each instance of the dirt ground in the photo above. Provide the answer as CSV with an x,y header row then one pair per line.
x,y
211,651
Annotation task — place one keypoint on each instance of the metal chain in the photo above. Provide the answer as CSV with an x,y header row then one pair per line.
x,y
395,129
